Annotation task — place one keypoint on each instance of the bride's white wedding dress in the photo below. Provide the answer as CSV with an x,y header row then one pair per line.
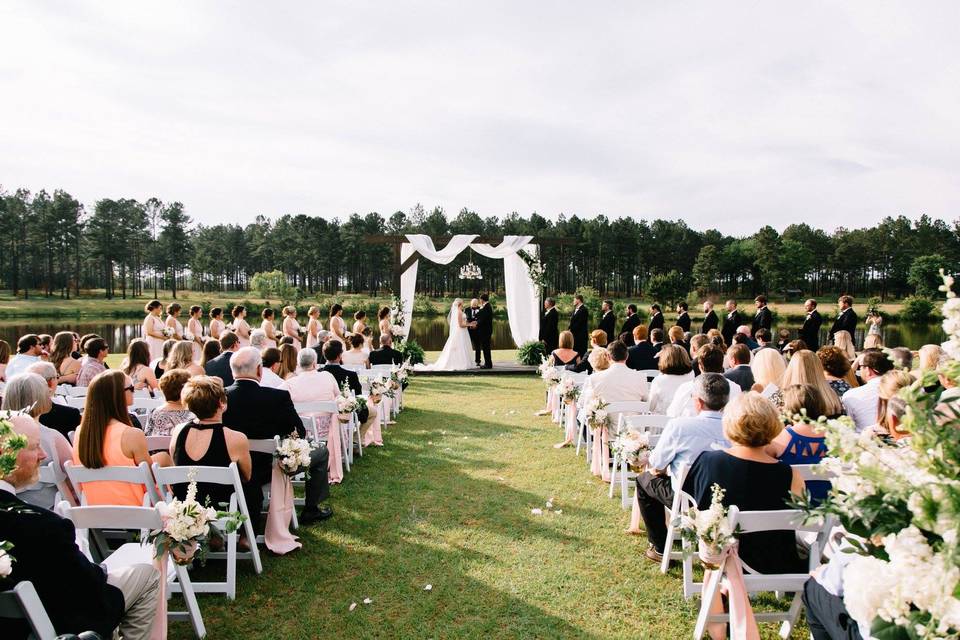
x,y
457,354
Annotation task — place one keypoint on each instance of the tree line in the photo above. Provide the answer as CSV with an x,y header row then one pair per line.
x,y
52,245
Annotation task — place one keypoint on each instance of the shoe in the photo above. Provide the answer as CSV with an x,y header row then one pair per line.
x,y
542,412
487,366
561,445
653,555
309,516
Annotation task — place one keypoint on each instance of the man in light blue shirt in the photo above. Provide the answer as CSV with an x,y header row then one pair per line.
x,y
681,442
28,352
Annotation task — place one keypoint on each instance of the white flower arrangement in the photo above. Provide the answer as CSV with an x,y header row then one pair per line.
x,y
188,336
550,374
293,456
168,332
596,412
380,387
6,560
400,373
709,529
568,390
348,402
398,331
632,447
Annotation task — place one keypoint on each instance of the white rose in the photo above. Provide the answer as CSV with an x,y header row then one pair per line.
x,y
6,564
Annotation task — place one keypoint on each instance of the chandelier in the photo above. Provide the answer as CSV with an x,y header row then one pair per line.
x,y
470,271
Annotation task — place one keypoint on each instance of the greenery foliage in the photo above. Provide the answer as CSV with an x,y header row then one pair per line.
x,y
924,274
273,283
917,309
412,351
531,353
668,288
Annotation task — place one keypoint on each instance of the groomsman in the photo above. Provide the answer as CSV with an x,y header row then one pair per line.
x,y
632,321
549,331
810,331
733,320
608,322
710,320
683,317
471,314
656,319
763,318
847,320
578,325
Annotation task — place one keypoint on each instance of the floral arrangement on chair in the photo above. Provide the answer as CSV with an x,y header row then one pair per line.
x,y
550,374
399,374
6,560
187,526
899,503
347,402
708,529
382,388
568,390
293,456
632,447
596,413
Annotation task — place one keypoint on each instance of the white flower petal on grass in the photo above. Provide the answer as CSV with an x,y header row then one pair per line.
x,y
429,587
353,605
367,601
536,512
549,504
559,512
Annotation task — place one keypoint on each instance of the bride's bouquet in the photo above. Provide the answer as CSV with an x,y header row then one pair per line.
x,y
293,456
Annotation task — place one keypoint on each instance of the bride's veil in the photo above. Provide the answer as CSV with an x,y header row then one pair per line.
x,y
453,320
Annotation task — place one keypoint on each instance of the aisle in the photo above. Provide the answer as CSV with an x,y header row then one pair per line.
x,y
448,503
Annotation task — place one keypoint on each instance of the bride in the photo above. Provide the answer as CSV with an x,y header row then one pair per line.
x,y
457,353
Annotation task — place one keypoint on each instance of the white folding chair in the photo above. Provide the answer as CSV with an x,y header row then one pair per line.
x,y
23,603
159,443
77,402
650,373
650,424
677,507
269,446
307,411
76,392
62,390
138,519
145,406
226,476
53,473
138,475
753,522
144,394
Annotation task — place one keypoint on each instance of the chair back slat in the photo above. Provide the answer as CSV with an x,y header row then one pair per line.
x,y
325,406
779,520
811,472
113,517
23,602
76,392
159,443
266,445
139,474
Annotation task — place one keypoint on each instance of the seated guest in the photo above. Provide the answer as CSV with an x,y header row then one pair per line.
x,y
656,340
710,358
930,357
220,366
77,594
332,351
675,335
386,354
28,352
311,385
844,341
675,369
68,367
805,368
792,347
800,442
616,382
827,616
837,370
598,342
211,349
642,355
888,390
682,440
270,359
768,366
181,357
764,340
355,355
260,413
92,364
288,361
259,340
137,365
738,355
160,364
5,359
59,417
902,358
745,330
783,339
105,438
205,442
172,412
861,403
28,392
752,480
564,354
695,342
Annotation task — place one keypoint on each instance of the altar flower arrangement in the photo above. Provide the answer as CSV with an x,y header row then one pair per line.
x,y
398,319
11,443
708,529
537,270
568,390
899,504
632,447
293,456
596,413
6,560
187,525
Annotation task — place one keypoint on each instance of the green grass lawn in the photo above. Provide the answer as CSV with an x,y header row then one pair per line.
x,y
447,502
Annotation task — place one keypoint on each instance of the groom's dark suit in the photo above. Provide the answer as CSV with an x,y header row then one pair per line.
x,y
471,315
484,320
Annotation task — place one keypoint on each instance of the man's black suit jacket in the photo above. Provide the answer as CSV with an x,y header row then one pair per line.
x,y
61,418
631,323
683,321
846,321
549,329
484,319
710,321
742,375
730,323
386,355
656,322
220,367
763,319
471,315
74,591
353,381
261,413
810,330
578,327
608,324
642,356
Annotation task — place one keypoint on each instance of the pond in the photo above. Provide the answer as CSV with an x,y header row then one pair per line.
x,y
430,333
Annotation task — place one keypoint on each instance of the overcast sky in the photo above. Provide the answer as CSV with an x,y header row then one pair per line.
x,y
725,114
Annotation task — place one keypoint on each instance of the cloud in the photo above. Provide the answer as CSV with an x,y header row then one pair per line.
x,y
727,116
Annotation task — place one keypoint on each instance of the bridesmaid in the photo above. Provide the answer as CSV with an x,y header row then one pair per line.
x,y
313,327
338,330
173,322
216,323
384,321
360,321
195,331
240,326
153,329
291,328
268,328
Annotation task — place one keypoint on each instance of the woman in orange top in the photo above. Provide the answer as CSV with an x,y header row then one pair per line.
x,y
105,438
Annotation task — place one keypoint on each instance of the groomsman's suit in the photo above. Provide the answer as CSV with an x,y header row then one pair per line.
x,y
762,320
810,331
578,327
631,323
733,320
846,321
683,321
710,321
608,324
656,322
549,329
484,320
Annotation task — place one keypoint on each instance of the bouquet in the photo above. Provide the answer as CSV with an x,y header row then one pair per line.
x,y
168,332
709,529
399,374
347,401
188,336
568,390
11,443
6,560
632,447
293,456
380,387
548,373
187,525
596,412
398,331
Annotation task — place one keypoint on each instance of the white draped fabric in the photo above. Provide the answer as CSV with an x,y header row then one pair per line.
x,y
523,298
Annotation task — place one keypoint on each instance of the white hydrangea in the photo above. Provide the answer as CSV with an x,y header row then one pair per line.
x,y
293,455
6,563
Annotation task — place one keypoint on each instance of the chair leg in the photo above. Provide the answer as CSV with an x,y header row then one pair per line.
x,y
254,550
787,627
190,598
232,566
710,587
624,487
667,548
613,473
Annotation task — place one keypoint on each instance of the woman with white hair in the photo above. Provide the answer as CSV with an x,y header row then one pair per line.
x,y
29,393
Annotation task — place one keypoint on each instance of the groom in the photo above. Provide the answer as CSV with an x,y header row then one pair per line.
x,y
484,331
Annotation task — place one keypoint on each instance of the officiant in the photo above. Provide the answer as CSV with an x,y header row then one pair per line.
x,y
471,313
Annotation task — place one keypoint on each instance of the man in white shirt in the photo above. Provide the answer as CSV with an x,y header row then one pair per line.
x,y
710,359
861,403
681,442
28,352
619,383
271,365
